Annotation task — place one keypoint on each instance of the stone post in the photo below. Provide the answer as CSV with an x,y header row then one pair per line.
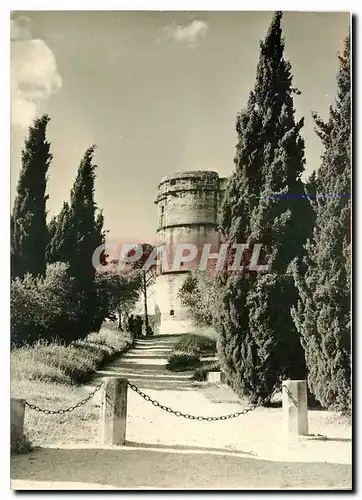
x,y
295,407
17,410
114,411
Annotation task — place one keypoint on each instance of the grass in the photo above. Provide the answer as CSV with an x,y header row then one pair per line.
x,y
50,376
73,364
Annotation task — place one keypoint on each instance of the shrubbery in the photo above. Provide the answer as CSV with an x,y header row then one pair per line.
x,y
188,350
200,294
67,364
45,307
180,361
51,308
196,344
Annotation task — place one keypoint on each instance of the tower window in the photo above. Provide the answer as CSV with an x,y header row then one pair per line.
x,y
162,215
172,312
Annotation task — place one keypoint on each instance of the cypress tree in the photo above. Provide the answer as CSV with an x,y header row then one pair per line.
x,y
74,236
323,279
264,203
78,229
60,244
82,222
28,221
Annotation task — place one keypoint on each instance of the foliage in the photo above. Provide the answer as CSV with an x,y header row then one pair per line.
x,y
180,361
115,292
264,203
73,238
323,278
45,307
196,344
28,220
200,295
72,364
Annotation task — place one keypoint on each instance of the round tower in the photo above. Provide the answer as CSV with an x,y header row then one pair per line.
x,y
187,214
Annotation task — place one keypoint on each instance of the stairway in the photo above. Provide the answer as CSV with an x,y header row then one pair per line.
x,y
144,365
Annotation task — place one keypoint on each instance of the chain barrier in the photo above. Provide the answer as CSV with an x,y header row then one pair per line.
x,y
291,396
177,413
66,410
201,418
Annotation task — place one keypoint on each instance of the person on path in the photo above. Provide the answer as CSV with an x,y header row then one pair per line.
x,y
138,327
131,324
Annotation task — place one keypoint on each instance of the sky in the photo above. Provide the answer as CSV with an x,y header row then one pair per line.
x,y
157,92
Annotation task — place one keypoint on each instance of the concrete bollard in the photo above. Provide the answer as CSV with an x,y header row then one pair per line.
x,y
114,411
295,407
215,377
17,410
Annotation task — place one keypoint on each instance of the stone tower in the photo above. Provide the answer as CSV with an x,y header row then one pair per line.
x,y
188,205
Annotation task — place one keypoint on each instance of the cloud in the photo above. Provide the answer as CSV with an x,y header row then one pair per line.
x,y
34,75
189,33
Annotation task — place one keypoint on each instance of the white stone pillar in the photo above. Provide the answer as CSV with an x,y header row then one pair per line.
x,y
114,411
295,407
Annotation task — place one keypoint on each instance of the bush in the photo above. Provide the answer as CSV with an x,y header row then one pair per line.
x,y
196,344
200,294
180,361
45,307
51,308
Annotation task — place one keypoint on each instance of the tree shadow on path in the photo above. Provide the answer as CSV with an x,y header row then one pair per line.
x,y
130,468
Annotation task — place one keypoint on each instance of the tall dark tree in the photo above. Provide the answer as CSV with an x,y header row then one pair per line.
x,y
28,221
60,244
322,315
83,231
265,203
78,229
75,234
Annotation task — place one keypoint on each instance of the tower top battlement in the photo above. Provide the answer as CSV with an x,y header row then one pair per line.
x,y
196,180
190,174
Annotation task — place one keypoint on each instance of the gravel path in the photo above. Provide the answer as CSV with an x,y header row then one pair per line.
x,y
164,451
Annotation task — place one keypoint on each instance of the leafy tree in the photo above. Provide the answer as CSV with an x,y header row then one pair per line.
x,y
115,293
265,203
200,295
147,268
28,221
44,307
323,278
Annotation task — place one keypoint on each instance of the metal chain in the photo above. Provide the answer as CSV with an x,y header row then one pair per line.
x,y
201,418
71,408
290,396
159,405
